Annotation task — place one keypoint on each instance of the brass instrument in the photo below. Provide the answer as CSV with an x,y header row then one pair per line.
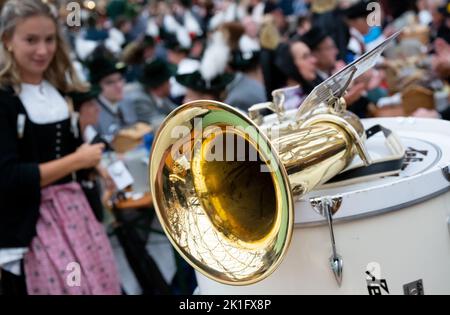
x,y
224,192
233,220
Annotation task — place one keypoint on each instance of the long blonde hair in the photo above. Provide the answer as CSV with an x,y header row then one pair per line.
x,y
60,73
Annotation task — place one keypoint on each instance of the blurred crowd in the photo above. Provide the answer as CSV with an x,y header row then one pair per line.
x,y
144,58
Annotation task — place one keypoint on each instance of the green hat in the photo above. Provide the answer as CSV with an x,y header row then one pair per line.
x,y
79,98
195,81
116,8
101,67
155,73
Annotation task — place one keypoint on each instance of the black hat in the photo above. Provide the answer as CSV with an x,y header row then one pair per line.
x,y
314,37
195,81
243,61
79,98
155,73
171,42
101,67
270,7
186,3
445,9
148,41
358,10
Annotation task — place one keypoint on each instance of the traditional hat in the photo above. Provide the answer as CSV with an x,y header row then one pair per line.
x,y
314,37
358,9
271,6
247,56
210,75
242,61
155,73
79,98
445,9
186,3
196,82
101,67
180,42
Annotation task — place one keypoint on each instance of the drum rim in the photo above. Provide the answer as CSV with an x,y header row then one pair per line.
x,y
391,209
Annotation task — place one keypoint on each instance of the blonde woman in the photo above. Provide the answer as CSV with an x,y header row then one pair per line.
x,y
50,242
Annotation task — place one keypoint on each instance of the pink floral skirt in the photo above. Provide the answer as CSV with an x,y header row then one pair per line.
x,y
71,253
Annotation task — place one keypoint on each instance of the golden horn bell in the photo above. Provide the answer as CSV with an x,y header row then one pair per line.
x,y
223,191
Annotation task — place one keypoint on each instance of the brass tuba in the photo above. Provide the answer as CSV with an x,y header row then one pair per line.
x,y
223,187
224,192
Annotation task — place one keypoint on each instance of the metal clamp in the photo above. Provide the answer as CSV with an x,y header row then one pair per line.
x,y
448,224
446,172
327,207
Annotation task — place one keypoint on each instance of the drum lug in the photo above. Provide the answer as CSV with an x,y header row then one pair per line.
x,y
448,224
327,207
446,172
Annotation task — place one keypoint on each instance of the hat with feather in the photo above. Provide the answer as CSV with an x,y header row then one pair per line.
x,y
210,77
244,50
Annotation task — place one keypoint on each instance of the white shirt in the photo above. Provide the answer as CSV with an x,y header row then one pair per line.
x,y
43,103
10,259
356,43
322,74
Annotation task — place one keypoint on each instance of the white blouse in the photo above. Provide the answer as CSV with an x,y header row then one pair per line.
x,y
43,103
10,259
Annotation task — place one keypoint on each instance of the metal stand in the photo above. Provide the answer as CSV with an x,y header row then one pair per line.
x,y
327,207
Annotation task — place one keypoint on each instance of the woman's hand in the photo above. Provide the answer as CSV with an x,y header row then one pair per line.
x,y
89,155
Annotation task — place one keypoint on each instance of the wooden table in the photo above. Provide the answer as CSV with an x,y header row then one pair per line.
x,y
145,202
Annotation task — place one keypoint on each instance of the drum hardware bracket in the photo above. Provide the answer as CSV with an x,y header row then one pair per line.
x,y
327,207
446,172
448,224
414,288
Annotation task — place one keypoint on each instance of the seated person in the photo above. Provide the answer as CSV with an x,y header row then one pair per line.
x,y
85,104
247,88
324,50
299,67
106,75
149,98
200,89
356,19
441,66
